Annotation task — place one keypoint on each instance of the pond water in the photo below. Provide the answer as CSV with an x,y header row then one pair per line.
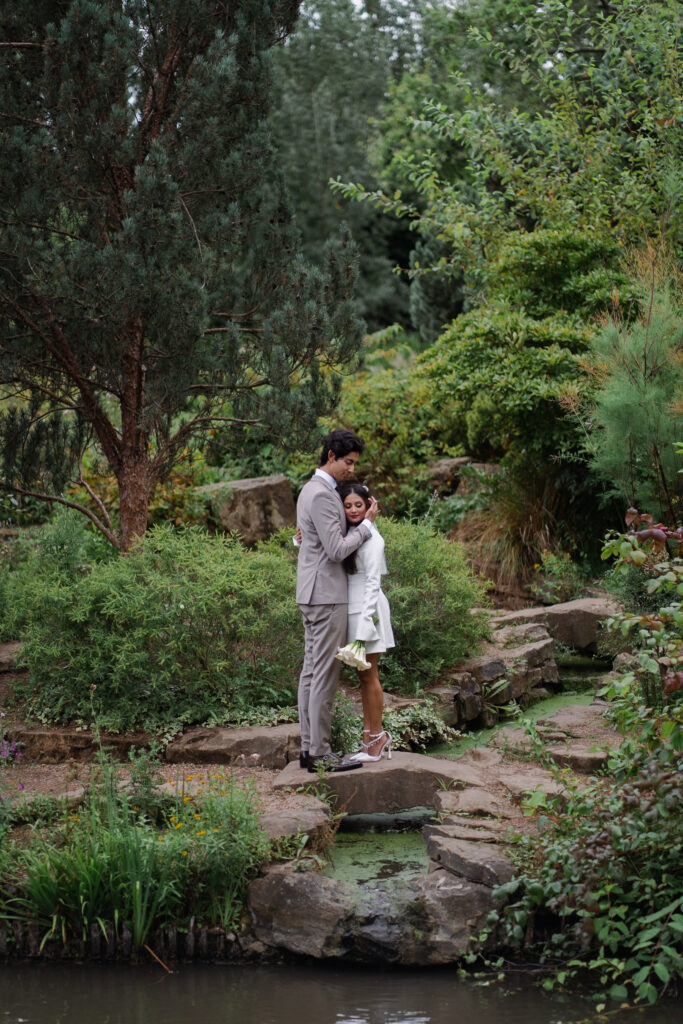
x,y
292,994
376,858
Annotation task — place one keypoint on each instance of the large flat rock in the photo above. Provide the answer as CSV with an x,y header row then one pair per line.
x,y
574,623
482,863
407,780
267,746
431,920
476,802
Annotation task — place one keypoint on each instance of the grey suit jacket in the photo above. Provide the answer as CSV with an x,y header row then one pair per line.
x,y
320,577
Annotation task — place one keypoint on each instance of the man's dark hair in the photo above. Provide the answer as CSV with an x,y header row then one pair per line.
x,y
341,442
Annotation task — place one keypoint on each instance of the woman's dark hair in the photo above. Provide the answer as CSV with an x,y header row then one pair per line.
x,y
341,442
353,487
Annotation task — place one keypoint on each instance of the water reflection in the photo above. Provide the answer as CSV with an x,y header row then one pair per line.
x,y
316,994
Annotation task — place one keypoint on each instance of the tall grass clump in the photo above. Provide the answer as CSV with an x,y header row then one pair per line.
x,y
110,866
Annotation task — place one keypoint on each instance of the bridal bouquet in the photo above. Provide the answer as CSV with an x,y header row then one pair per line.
x,y
353,654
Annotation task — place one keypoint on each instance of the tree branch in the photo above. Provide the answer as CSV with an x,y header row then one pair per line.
x,y
95,497
109,534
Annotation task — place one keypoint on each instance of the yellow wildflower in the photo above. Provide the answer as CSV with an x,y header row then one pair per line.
x,y
202,833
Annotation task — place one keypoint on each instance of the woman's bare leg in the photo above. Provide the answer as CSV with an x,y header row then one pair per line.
x,y
373,705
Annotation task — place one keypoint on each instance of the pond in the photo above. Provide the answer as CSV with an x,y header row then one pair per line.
x,y
293,994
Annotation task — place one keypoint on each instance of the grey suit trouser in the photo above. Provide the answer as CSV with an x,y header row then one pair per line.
x,y
324,634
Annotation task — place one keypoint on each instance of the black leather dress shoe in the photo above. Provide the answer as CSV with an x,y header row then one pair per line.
x,y
331,763
303,759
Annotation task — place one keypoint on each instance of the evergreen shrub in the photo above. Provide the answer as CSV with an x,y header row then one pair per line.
x,y
189,628
186,628
433,593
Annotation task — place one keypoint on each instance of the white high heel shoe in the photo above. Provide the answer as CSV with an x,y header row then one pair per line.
x,y
363,754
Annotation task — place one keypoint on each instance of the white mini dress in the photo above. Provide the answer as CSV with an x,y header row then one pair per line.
x,y
369,612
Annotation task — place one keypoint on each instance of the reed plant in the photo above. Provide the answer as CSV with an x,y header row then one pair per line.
x,y
111,865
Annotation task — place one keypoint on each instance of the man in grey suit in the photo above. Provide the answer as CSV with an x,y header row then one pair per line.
x,y
321,593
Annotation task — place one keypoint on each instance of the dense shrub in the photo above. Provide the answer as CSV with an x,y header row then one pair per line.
x,y
432,593
189,628
185,628
604,888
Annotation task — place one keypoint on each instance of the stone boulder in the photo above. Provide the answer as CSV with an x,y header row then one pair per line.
x,y
267,746
517,659
430,920
407,780
253,508
573,623
478,862
9,653
303,912
445,473
310,819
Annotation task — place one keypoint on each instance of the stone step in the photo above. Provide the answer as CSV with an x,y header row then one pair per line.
x,y
477,862
474,831
265,746
407,780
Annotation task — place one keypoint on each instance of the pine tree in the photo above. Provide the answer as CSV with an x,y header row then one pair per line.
x,y
150,281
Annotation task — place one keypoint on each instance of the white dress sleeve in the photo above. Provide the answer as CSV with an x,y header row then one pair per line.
x,y
371,564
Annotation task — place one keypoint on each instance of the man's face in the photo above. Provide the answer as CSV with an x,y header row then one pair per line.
x,y
342,468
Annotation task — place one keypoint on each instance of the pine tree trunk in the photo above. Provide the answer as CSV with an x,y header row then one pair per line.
x,y
135,473
134,493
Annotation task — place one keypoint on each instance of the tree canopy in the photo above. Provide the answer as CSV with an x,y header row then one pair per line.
x,y
150,279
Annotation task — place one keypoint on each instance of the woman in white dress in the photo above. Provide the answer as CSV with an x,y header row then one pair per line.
x,y
369,620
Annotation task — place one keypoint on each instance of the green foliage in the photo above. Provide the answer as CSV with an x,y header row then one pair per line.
x,y
109,864
391,410
574,271
494,381
418,726
433,596
185,628
330,83
636,413
346,725
583,132
657,634
154,285
189,628
559,577
605,890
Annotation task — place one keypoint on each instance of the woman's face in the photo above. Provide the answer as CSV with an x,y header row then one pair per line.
x,y
355,508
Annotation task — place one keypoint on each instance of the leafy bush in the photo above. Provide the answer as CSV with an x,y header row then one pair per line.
x,y
604,891
418,727
189,628
185,628
559,577
495,378
547,270
433,594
